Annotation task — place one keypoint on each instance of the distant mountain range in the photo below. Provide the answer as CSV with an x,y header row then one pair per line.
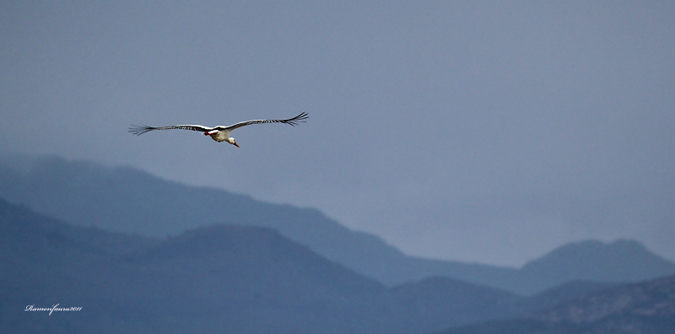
x,y
211,279
640,308
127,200
246,279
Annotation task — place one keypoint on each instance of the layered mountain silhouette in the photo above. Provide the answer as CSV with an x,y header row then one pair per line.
x,y
245,279
211,279
127,200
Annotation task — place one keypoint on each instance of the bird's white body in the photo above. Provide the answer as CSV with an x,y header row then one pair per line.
x,y
219,133
222,135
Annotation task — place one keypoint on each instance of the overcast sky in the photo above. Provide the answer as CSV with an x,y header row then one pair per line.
x,y
487,131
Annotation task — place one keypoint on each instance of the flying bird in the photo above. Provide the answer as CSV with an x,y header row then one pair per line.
x,y
219,133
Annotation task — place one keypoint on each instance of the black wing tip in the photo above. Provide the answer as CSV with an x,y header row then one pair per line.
x,y
297,119
139,129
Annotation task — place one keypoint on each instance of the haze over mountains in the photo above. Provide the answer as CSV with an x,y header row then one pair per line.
x,y
251,280
127,200
211,279
234,264
237,279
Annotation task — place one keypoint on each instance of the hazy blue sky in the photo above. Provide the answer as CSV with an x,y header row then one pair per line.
x,y
488,131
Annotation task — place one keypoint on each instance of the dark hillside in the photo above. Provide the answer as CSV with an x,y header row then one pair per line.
x,y
211,279
640,308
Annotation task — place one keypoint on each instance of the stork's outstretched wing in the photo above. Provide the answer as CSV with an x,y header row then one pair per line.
x,y
291,121
141,129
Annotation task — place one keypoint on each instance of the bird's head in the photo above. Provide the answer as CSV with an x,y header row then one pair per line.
x,y
232,141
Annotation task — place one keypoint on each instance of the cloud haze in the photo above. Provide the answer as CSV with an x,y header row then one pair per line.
x,y
476,131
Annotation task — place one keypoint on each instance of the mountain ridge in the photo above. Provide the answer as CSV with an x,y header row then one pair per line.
x,y
260,279
216,278
125,199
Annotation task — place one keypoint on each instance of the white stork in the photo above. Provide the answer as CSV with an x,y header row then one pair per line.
x,y
219,133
